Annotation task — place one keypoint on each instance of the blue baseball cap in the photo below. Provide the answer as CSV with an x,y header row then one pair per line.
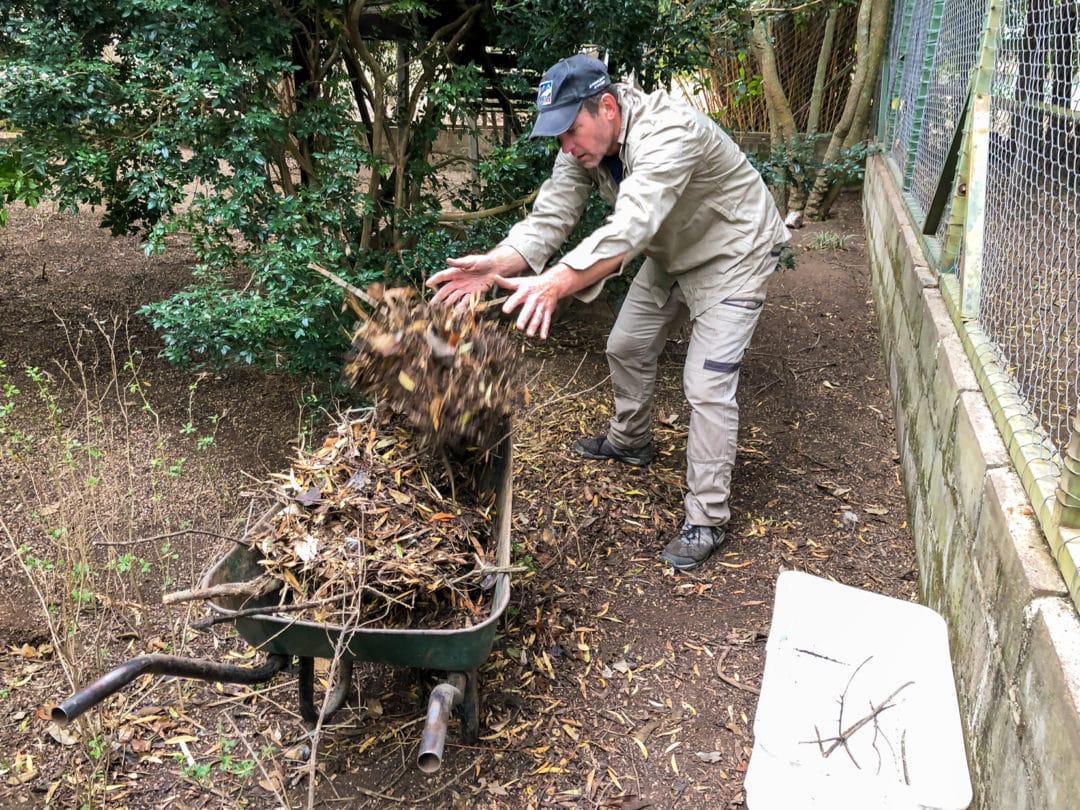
x,y
562,89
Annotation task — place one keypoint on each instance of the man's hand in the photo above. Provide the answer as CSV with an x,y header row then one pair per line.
x,y
537,297
464,277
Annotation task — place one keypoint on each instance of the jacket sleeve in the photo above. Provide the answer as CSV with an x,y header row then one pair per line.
x,y
558,206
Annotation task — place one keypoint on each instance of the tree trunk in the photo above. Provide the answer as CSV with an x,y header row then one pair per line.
x,y
779,106
870,49
824,57
781,119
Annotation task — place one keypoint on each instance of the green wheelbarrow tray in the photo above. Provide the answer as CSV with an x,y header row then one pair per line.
x,y
458,653
456,650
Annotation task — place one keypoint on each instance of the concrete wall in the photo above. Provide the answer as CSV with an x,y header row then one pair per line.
x,y
984,563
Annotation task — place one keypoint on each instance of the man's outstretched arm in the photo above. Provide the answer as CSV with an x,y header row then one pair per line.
x,y
538,295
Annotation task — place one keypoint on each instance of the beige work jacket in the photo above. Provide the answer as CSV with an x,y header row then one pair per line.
x,y
689,200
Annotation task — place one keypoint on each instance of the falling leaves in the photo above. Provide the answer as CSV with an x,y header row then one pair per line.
x,y
452,376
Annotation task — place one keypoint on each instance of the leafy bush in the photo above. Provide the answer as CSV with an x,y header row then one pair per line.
x,y
19,180
280,139
655,40
796,164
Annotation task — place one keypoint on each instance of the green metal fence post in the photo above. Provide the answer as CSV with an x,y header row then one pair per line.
x,y
926,60
1068,493
966,225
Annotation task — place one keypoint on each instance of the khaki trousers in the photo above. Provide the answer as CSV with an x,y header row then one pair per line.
x,y
718,341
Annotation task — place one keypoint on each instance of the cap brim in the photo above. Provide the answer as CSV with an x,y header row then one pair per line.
x,y
555,121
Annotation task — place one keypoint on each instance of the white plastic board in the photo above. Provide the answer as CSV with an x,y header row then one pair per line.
x,y
858,705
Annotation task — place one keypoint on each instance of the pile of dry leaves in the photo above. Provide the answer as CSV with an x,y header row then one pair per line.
x,y
371,531
451,374
389,522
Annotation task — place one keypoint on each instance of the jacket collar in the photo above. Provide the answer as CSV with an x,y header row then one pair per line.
x,y
629,99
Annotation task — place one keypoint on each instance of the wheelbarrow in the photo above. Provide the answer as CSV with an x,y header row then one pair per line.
x,y
456,652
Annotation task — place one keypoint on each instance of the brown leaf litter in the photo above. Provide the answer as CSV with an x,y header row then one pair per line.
x,y
451,374
370,531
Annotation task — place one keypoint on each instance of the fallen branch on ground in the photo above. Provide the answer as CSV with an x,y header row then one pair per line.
x,y
729,680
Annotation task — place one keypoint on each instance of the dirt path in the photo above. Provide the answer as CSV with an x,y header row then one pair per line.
x,y
616,683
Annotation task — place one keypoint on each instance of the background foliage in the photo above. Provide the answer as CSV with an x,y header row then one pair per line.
x,y
299,131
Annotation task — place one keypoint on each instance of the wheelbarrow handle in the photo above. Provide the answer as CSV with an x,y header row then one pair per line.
x,y
115,680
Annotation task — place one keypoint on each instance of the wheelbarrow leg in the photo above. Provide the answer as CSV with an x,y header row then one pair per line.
x,y
469,711
306,685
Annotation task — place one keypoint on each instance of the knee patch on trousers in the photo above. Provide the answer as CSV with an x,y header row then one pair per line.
x,y
722,367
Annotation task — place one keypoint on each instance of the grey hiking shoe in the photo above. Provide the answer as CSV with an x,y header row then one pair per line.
x,y
692,546
600,448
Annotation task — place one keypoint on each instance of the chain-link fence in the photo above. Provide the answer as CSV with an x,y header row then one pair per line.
x,y
733,92
980,116
1031,265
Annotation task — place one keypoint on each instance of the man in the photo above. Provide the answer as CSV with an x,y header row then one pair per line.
x,y
686,197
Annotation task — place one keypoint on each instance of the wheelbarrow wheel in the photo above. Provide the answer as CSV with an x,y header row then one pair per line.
x,y
336,699
469,710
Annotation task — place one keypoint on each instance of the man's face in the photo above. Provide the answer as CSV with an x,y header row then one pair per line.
x,y
591,137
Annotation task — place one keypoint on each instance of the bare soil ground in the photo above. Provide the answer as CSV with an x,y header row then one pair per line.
x,y
614,682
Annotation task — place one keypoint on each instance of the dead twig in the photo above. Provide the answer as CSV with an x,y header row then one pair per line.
x,y
352,289
729,680
804,369
273,781
252,588
423,800
447,217
269,610
166,536
481,571
903,757
874,712
845,734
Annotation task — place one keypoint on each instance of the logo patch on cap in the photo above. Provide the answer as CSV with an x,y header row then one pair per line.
x,y
543,98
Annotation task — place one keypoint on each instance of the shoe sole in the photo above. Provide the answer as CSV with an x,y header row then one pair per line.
x,y
682,566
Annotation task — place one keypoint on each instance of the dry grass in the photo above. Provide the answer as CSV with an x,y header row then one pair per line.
x,y
90,530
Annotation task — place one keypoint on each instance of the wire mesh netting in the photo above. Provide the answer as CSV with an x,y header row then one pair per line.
x,y
954,56
1031,268
1029,304
891,72
735,94
1016,243
913,21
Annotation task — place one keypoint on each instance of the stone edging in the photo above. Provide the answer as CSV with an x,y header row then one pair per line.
x,y
984,563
